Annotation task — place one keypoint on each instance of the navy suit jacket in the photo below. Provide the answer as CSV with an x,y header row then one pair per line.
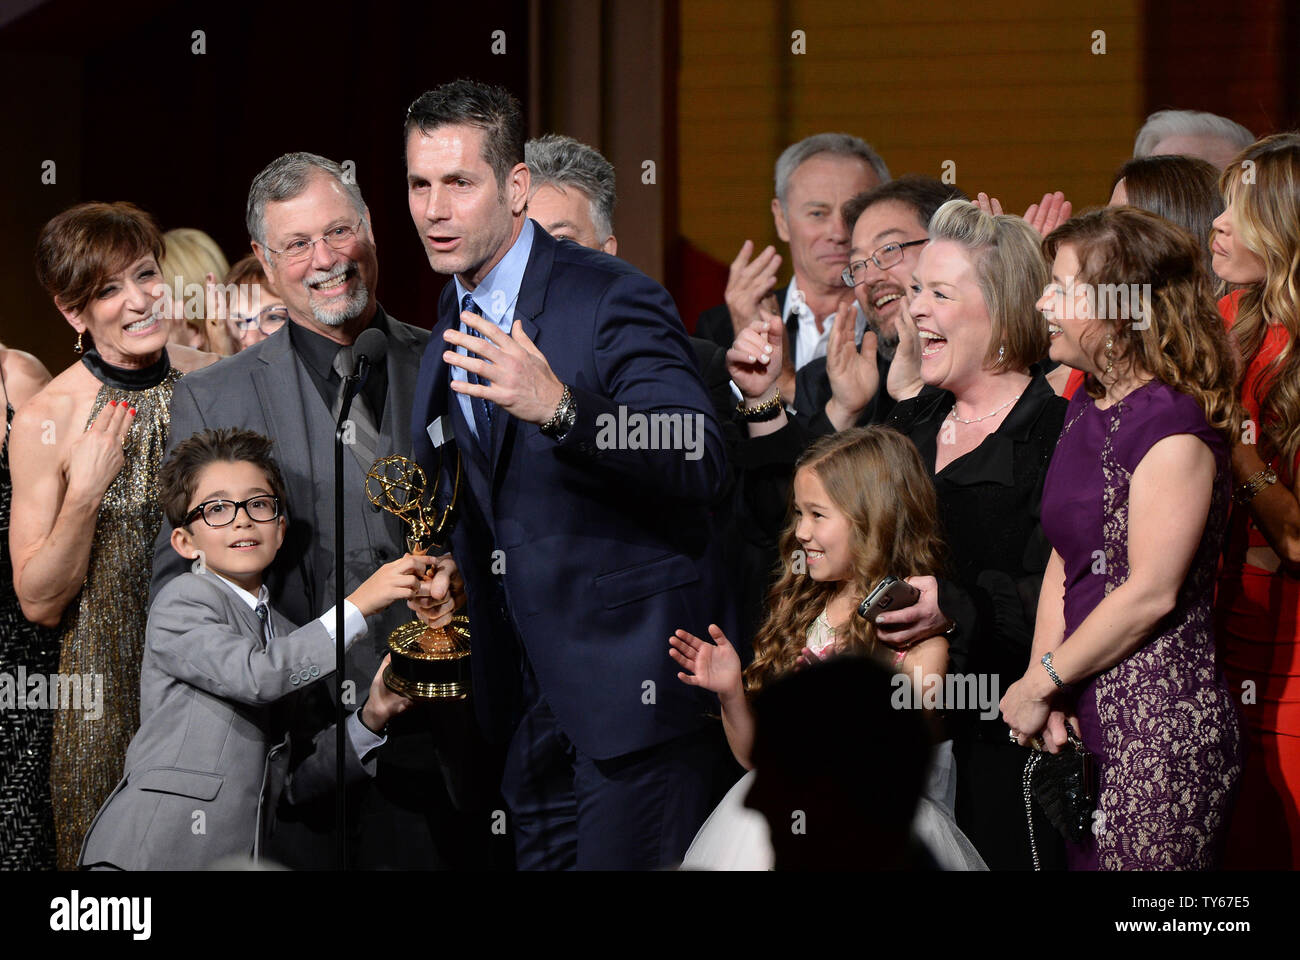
x,y
590,555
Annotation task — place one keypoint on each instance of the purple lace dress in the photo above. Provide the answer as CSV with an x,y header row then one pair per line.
x,y
1161,722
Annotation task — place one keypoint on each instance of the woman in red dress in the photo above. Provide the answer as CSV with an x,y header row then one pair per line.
x,y
1256,243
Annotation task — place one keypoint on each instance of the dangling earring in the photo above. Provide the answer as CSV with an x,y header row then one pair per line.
x,y
1110,359
77,347
1001,352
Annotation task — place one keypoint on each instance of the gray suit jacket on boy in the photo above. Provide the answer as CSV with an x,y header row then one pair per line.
x,y
267,389
401,820
208,765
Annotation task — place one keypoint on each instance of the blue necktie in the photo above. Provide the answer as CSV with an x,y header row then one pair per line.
x,y
482,408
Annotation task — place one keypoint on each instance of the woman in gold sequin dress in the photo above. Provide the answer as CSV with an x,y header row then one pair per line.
x,y
84,453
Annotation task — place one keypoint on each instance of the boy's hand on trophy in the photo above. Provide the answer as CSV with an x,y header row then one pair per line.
x,y
399,580
441,595
382,704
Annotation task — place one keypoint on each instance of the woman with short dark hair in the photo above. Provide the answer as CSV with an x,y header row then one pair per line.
x,y
84,454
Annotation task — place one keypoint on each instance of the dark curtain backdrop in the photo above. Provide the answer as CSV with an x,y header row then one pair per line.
x,y
114,95
110,91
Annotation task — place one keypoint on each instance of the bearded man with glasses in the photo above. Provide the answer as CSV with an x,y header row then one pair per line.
x,y
311,233
856,383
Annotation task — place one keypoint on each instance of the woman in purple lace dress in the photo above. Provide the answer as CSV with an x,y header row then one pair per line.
x,y
1136,505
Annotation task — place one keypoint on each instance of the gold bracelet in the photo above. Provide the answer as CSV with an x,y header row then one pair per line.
x,y
766,410
1254,484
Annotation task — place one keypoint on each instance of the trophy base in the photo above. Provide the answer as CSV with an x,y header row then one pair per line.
x,y
430,664
415,690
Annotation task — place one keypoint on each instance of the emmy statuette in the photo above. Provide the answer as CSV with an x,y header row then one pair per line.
x,y
428,663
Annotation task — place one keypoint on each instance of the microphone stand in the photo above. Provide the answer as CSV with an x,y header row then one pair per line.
x,y
350,387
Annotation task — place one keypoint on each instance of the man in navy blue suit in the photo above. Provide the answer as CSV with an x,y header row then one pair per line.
x,y
563,380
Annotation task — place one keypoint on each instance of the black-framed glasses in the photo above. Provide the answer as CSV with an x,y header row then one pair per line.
x,y
220,513
883,257
339,238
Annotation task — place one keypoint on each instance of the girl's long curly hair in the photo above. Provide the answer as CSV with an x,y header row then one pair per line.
x,y
1266,206
876,478
1180,339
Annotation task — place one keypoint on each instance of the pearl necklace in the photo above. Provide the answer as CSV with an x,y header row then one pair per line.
x,y
953,412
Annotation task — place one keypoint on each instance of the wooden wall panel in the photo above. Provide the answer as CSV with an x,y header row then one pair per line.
x,y
1009,90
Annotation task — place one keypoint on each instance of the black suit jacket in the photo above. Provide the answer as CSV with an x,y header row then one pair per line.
x,y
715,324
813,389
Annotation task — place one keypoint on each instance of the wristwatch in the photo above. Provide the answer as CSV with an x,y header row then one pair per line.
x,y
562,420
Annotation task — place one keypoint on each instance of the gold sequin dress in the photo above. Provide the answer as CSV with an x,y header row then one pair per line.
x,y
102,632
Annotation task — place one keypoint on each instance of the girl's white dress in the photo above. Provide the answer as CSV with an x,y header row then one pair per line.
x,y
736,838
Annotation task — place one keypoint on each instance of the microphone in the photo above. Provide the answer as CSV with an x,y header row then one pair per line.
x,y
371,346
369,349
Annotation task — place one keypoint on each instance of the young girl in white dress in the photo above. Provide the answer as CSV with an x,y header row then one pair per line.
x,y
863,508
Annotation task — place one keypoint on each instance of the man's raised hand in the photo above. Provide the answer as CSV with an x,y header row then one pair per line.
x,y
852,371
748,282
518,377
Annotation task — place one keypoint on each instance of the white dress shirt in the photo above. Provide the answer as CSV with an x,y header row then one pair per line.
x,y
363,738
809,343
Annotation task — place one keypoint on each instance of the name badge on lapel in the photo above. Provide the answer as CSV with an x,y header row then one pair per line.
x,y
440,431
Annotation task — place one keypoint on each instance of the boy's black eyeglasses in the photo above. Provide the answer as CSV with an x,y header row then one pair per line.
x,y
219,513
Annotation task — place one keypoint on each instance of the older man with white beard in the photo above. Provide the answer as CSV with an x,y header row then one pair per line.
x,y
311,232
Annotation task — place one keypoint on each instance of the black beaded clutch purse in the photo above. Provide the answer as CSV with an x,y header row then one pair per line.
x,y
1064,787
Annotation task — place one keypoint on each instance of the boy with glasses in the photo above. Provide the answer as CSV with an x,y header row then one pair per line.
x,y
418,811
210,761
